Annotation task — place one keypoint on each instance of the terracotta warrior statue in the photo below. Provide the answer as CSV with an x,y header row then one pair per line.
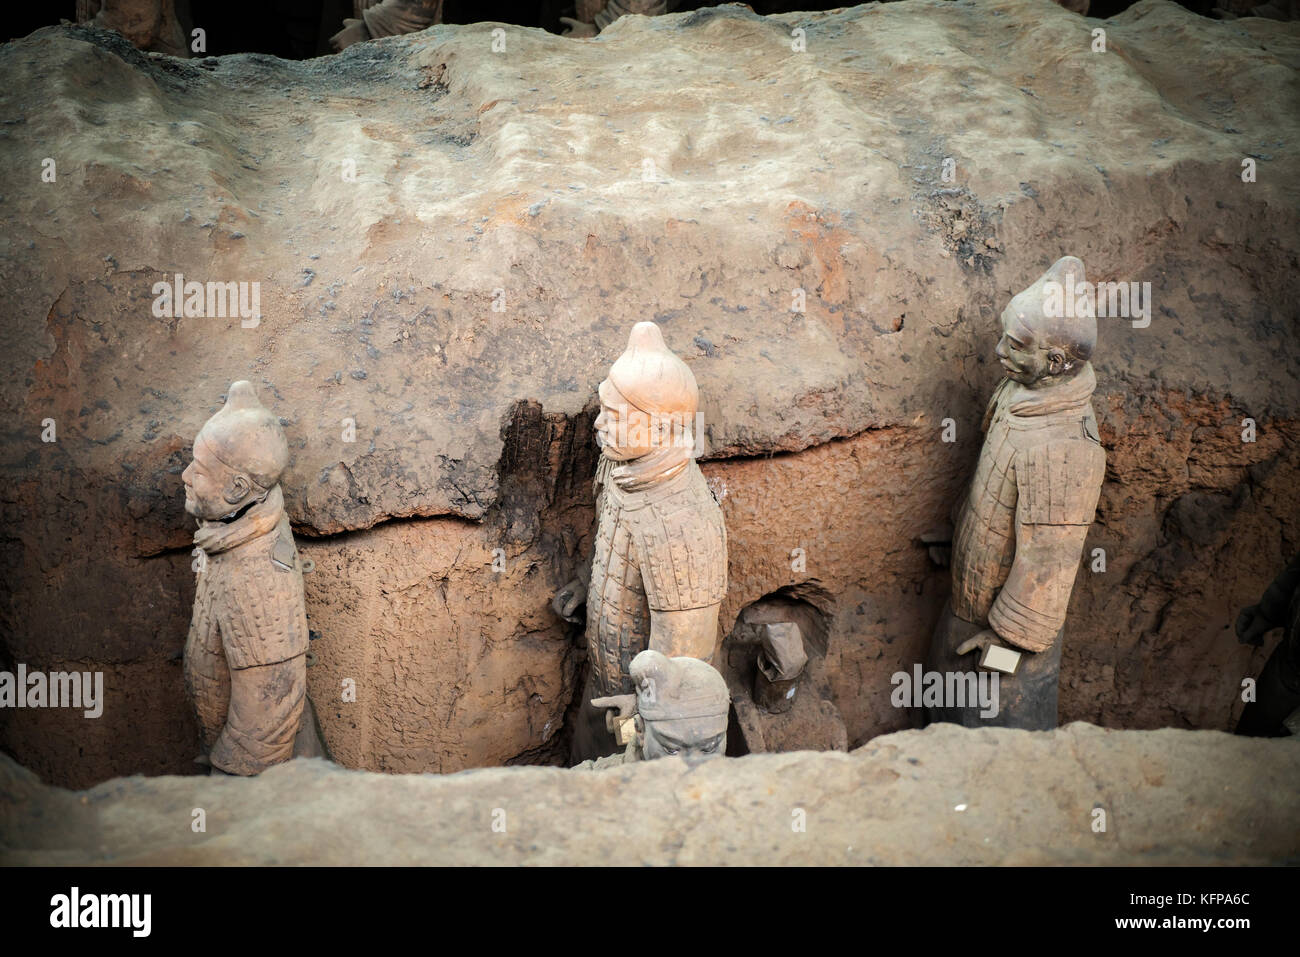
x,y
246,656
680,709
659,568
154,25
386,18
1275,712
592,16
1021,528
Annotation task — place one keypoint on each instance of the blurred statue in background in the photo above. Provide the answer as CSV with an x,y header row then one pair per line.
x,y
1021,527
156,25
680,709
592,16
1275,712
388,18
658,572
1287,10
246,655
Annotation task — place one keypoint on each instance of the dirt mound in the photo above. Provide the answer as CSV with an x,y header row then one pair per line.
x,y
451,243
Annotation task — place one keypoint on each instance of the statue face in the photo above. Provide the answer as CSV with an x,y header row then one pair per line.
x,y
622,430
212,490
692,739
1023,354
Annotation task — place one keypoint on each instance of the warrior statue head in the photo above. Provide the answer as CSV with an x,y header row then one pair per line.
x,y
239,455
649,399
1049,330
683,705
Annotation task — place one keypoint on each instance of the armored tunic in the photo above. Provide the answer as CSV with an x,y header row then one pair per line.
x,y
1022,525
661,547
245,662
254,600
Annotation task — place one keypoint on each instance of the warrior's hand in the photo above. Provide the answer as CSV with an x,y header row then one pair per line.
x,y
569,599
578,29
619,709
938,544
981,641
1252,626
354,31
619,706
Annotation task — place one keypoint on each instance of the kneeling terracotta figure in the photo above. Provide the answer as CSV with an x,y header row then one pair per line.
x,y
245,658
1021,527
680,709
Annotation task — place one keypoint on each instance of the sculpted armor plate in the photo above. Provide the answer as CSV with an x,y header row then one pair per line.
x,y
662,549
1020,529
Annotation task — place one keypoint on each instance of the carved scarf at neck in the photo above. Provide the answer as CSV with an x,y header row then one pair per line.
x,y
1073,393
261,519
652,469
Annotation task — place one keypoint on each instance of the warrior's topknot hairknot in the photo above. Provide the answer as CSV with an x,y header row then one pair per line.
x,y
247,437
651,377
1072,328
670,688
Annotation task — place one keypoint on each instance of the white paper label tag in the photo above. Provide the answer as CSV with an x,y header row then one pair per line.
x,y
626,731
998,658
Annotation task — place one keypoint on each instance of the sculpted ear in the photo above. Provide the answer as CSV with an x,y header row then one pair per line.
x,y
238,489
1057,361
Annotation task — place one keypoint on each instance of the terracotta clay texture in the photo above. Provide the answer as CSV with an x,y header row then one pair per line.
x,y
659,564
772,172
1021,526
772,636
683,705
386,18
146,24
245,658
778,666
592,16
680,709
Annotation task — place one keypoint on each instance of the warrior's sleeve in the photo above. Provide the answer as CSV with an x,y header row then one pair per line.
x,y
1057,486
398,17
264,618
205,670
682,548
990,410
